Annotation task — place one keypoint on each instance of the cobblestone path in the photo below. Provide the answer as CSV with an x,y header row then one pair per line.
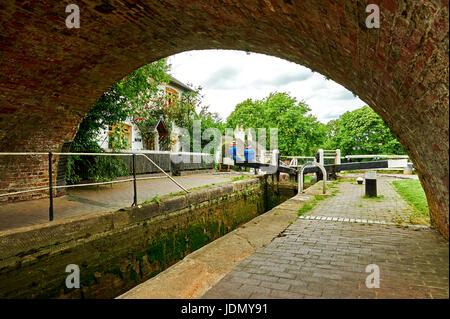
x,y
327,257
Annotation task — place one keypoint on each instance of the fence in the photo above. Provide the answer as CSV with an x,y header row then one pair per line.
x,y
182,161
334,157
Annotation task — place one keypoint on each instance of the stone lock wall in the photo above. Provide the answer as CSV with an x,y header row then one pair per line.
x,y
52,75
117,250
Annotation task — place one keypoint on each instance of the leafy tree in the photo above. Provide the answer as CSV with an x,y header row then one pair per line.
x,y
209,120
299,133
138,96
248,113
362,131
115,105
118,103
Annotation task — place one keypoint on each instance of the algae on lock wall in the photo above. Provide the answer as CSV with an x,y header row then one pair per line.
x,y
126,247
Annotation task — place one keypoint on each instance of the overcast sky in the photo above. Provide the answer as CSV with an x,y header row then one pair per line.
x,y
230,77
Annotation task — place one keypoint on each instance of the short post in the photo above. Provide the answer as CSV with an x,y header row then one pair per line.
x,y
50,186
300,180
321,159
337,160
408,170
371,184
277,163
134,181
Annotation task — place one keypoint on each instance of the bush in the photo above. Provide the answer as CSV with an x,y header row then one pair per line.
x,y
94,168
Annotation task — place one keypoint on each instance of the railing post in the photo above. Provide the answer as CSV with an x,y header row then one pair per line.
x,y
278,166
300,179
338,157
50,186
321,159
134,181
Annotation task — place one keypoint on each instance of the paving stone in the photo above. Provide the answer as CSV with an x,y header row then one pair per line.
x,y
328,258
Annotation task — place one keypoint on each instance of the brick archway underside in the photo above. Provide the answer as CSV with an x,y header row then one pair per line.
x,y
51,75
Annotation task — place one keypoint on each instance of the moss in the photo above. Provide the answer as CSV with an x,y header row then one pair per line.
x,y
134,276
86,278
196,237
174,248
140,259
239,178
156,199
213,229
155,252
176,193
180,245
115,271
184,236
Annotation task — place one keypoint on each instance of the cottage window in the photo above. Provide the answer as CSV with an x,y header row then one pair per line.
x,y
119,136
171,96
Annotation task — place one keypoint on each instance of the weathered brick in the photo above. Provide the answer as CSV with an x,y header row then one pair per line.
x,y
68,69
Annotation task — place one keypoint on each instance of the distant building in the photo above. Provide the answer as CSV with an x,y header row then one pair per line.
x,y
173,91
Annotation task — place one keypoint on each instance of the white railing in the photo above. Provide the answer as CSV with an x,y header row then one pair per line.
x,y
377,156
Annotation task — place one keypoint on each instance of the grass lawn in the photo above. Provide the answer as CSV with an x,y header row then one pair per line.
x,y
412,192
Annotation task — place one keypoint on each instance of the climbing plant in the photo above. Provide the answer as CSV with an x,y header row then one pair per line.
x,y
114,106
181,112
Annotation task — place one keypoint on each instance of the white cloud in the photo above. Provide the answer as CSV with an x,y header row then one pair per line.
x,y
230,77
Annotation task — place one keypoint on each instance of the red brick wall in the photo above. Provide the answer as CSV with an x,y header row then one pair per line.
x,y
51,75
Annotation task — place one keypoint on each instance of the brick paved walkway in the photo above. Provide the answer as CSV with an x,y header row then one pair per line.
x,y
350,203
328,258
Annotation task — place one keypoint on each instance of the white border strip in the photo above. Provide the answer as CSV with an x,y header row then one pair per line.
x,y
358,221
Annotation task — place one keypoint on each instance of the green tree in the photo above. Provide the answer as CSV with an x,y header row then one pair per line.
x,y
138,96
362,131
118,103
299,133
208,120
248,113
113,106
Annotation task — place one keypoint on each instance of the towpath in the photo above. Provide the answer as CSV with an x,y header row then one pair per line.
x,y
95,199
324,254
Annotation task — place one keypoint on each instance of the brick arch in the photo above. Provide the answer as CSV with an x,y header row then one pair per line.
x,y
51,75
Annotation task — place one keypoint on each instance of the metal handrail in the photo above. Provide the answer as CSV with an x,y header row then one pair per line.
x,y
151,161
377,156
300,176
50,187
